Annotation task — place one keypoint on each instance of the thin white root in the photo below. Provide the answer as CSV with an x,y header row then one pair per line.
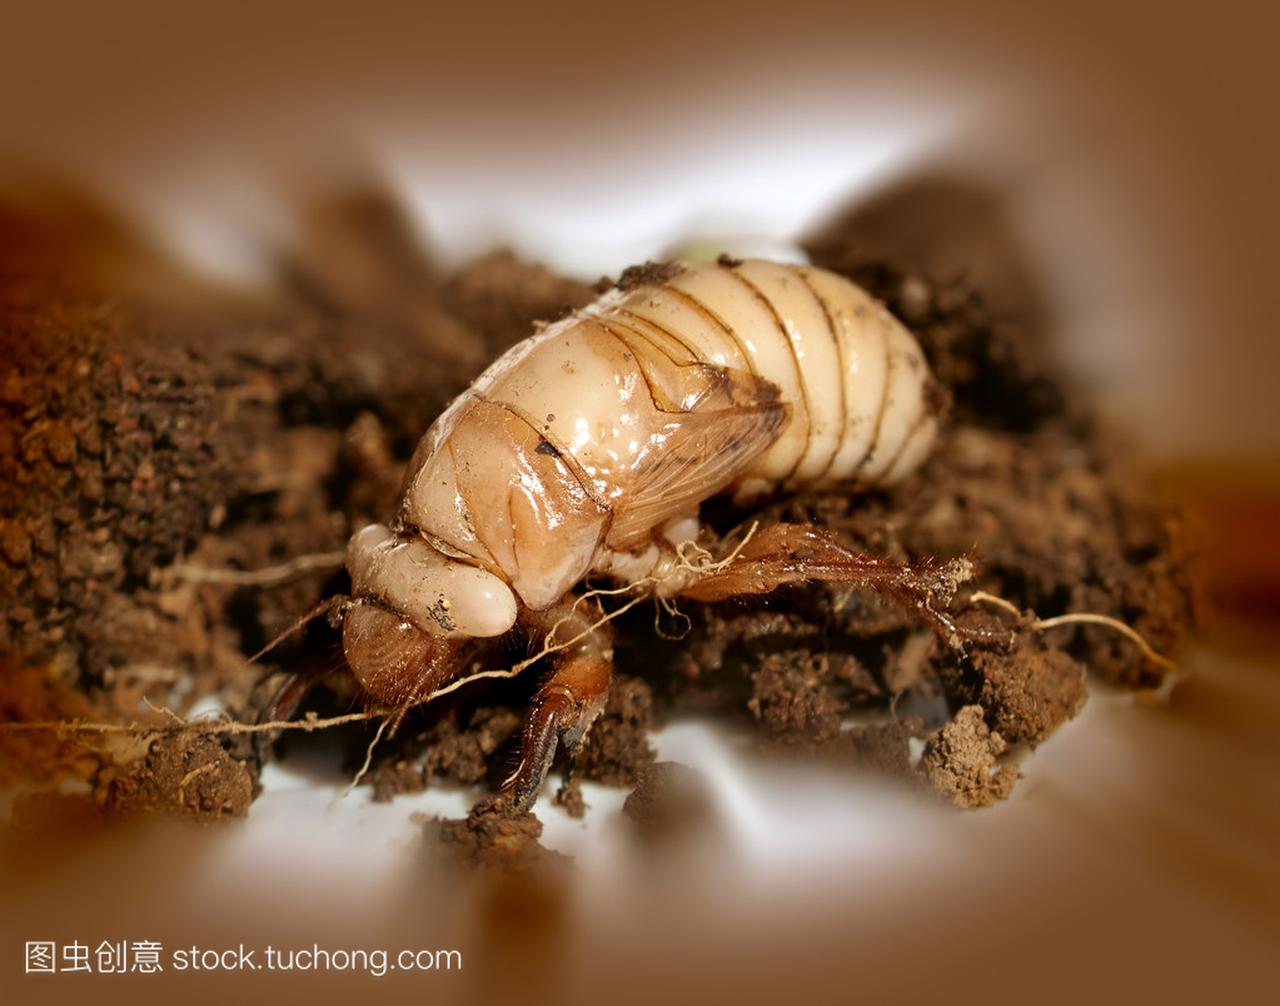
x,y
676,615
982,597
165,711
453,686
368,760
1126,630
307,725
266,576
195,773
1083,617
702,561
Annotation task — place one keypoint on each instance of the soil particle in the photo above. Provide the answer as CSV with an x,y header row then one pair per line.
x,y
492,838
649,274
155,429
569,796
188,774
960,761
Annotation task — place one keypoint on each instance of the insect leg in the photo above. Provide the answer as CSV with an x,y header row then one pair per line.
x,y
570,700
788,553
284,703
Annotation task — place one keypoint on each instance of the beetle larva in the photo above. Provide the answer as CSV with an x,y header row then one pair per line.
x,y
587,449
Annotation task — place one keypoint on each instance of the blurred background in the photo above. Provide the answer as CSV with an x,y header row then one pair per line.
x,y
1120,164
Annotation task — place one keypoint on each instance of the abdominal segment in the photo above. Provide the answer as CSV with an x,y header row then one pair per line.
x,y
853,377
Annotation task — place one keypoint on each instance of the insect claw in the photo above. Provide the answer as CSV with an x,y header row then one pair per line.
x,y
283,704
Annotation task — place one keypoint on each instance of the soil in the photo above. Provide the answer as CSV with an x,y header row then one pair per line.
x,y
960,760
158,431
182,774
491,838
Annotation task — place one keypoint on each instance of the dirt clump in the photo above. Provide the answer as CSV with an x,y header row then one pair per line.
x,y
492,838
1026,692
569,797
650,273
185,773
960,761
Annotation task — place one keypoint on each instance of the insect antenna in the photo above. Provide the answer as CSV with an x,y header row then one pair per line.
x,y
338,602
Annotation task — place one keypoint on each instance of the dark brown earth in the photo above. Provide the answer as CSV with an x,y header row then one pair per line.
x,y
492,838
157,431
182,774
961,761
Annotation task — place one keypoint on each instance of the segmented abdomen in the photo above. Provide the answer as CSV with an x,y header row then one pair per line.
x,y
854,377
